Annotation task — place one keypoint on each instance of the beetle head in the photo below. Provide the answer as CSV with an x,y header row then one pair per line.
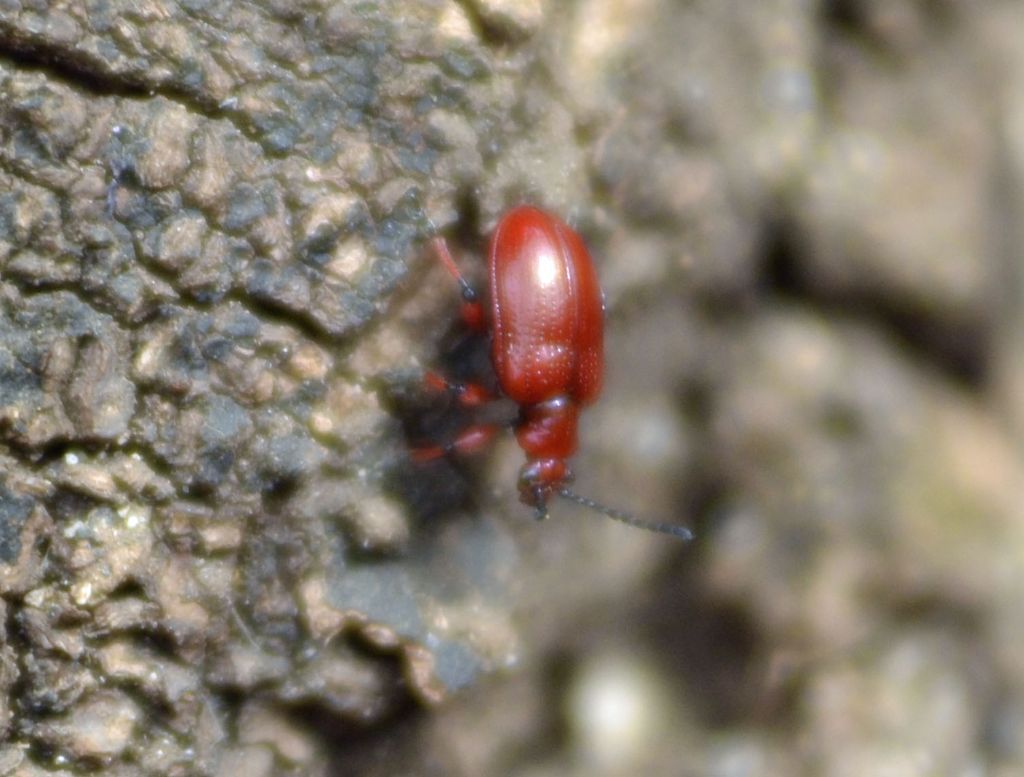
x,y
539,479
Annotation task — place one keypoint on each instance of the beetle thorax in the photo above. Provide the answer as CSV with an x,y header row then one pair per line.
x,y
547,430
547,434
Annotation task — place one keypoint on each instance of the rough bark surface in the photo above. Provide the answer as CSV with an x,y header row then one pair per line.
x,y
215,308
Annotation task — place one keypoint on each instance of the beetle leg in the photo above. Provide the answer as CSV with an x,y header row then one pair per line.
x,y
467,394
471,440
540,510
472,309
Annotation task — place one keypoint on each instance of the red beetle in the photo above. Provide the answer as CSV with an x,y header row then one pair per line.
x,y
546,321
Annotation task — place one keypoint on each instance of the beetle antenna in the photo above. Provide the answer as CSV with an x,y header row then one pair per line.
x,y
620,515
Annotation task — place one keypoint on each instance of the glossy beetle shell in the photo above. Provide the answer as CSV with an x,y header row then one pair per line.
x,y
546,311
547,330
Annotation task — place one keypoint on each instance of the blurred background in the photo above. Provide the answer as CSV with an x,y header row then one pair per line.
x,y
807,220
